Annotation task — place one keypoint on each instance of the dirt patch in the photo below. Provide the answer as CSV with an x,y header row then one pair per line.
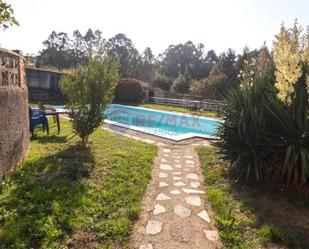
x,y
83,239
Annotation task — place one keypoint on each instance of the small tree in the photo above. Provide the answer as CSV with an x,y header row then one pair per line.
x,y
6,15
87,91
199,87
182,83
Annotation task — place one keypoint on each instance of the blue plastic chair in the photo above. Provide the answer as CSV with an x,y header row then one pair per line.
x,y
37,117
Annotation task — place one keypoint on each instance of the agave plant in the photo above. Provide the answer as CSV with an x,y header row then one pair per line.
x,y
262,137
241,134
289,134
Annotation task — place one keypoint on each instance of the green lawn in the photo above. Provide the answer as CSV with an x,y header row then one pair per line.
x,y
253,216
63,197
180,109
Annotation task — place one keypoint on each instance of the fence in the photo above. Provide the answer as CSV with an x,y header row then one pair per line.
x,y
194,104
14,120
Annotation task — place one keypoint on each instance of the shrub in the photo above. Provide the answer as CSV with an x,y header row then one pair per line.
x,y
87,91
264,138
198,87
266,129
182,83
163,82
129,91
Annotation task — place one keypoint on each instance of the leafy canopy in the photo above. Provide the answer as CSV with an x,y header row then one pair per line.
x,y
87,91
6,16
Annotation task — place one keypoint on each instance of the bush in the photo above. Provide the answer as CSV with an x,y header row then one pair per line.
x,y
182,83
198,87
129,91
264,138
87,92
163,82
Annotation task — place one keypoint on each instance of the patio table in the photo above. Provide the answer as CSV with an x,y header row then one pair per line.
x,y
51,111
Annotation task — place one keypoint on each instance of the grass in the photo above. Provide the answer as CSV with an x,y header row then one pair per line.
x,y
252,216
180,109
65,197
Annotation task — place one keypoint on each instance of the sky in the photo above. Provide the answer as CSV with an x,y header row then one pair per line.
x,y
218,24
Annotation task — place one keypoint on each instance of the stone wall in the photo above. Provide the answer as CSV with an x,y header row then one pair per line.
x,y
14,117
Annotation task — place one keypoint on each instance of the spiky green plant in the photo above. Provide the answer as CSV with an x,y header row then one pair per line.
x,y
262,137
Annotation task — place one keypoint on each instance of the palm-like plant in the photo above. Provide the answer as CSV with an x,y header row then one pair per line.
x,y
264,138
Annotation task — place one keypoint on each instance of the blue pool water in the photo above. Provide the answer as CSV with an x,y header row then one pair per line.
x,y
175,126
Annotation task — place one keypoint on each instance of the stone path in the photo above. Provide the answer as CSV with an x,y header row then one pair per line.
x,y
174,213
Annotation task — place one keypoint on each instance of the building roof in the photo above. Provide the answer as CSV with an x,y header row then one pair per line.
x,y
43,70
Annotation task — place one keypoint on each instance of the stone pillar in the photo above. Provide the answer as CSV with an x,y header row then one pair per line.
x,y
14,115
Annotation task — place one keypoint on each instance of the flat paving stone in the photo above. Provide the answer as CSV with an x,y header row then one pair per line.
x,y
204,215
194,201
166,150
148,246
175,192
163,160
211,234
154,227
163,184
158,209
149,141
189,162
182,211
195,184
179,184
178,166
176,178
162,197
176,173
192,176
166,167
192,191
190,165
163,175
189,156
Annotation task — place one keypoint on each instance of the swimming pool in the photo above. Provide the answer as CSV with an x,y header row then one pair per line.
x,y
171,125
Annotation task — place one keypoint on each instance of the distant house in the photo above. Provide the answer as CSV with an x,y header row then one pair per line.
x,y
43,84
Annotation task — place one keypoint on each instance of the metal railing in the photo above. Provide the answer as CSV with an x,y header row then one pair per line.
x,y
194,104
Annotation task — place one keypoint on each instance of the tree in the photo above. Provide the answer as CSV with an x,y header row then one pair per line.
x,y
265,66
121,48
199,87
182,83
63,52
184,57
56,53
87,91
7,18
145,68
217,84
162,81
227,65
256,64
